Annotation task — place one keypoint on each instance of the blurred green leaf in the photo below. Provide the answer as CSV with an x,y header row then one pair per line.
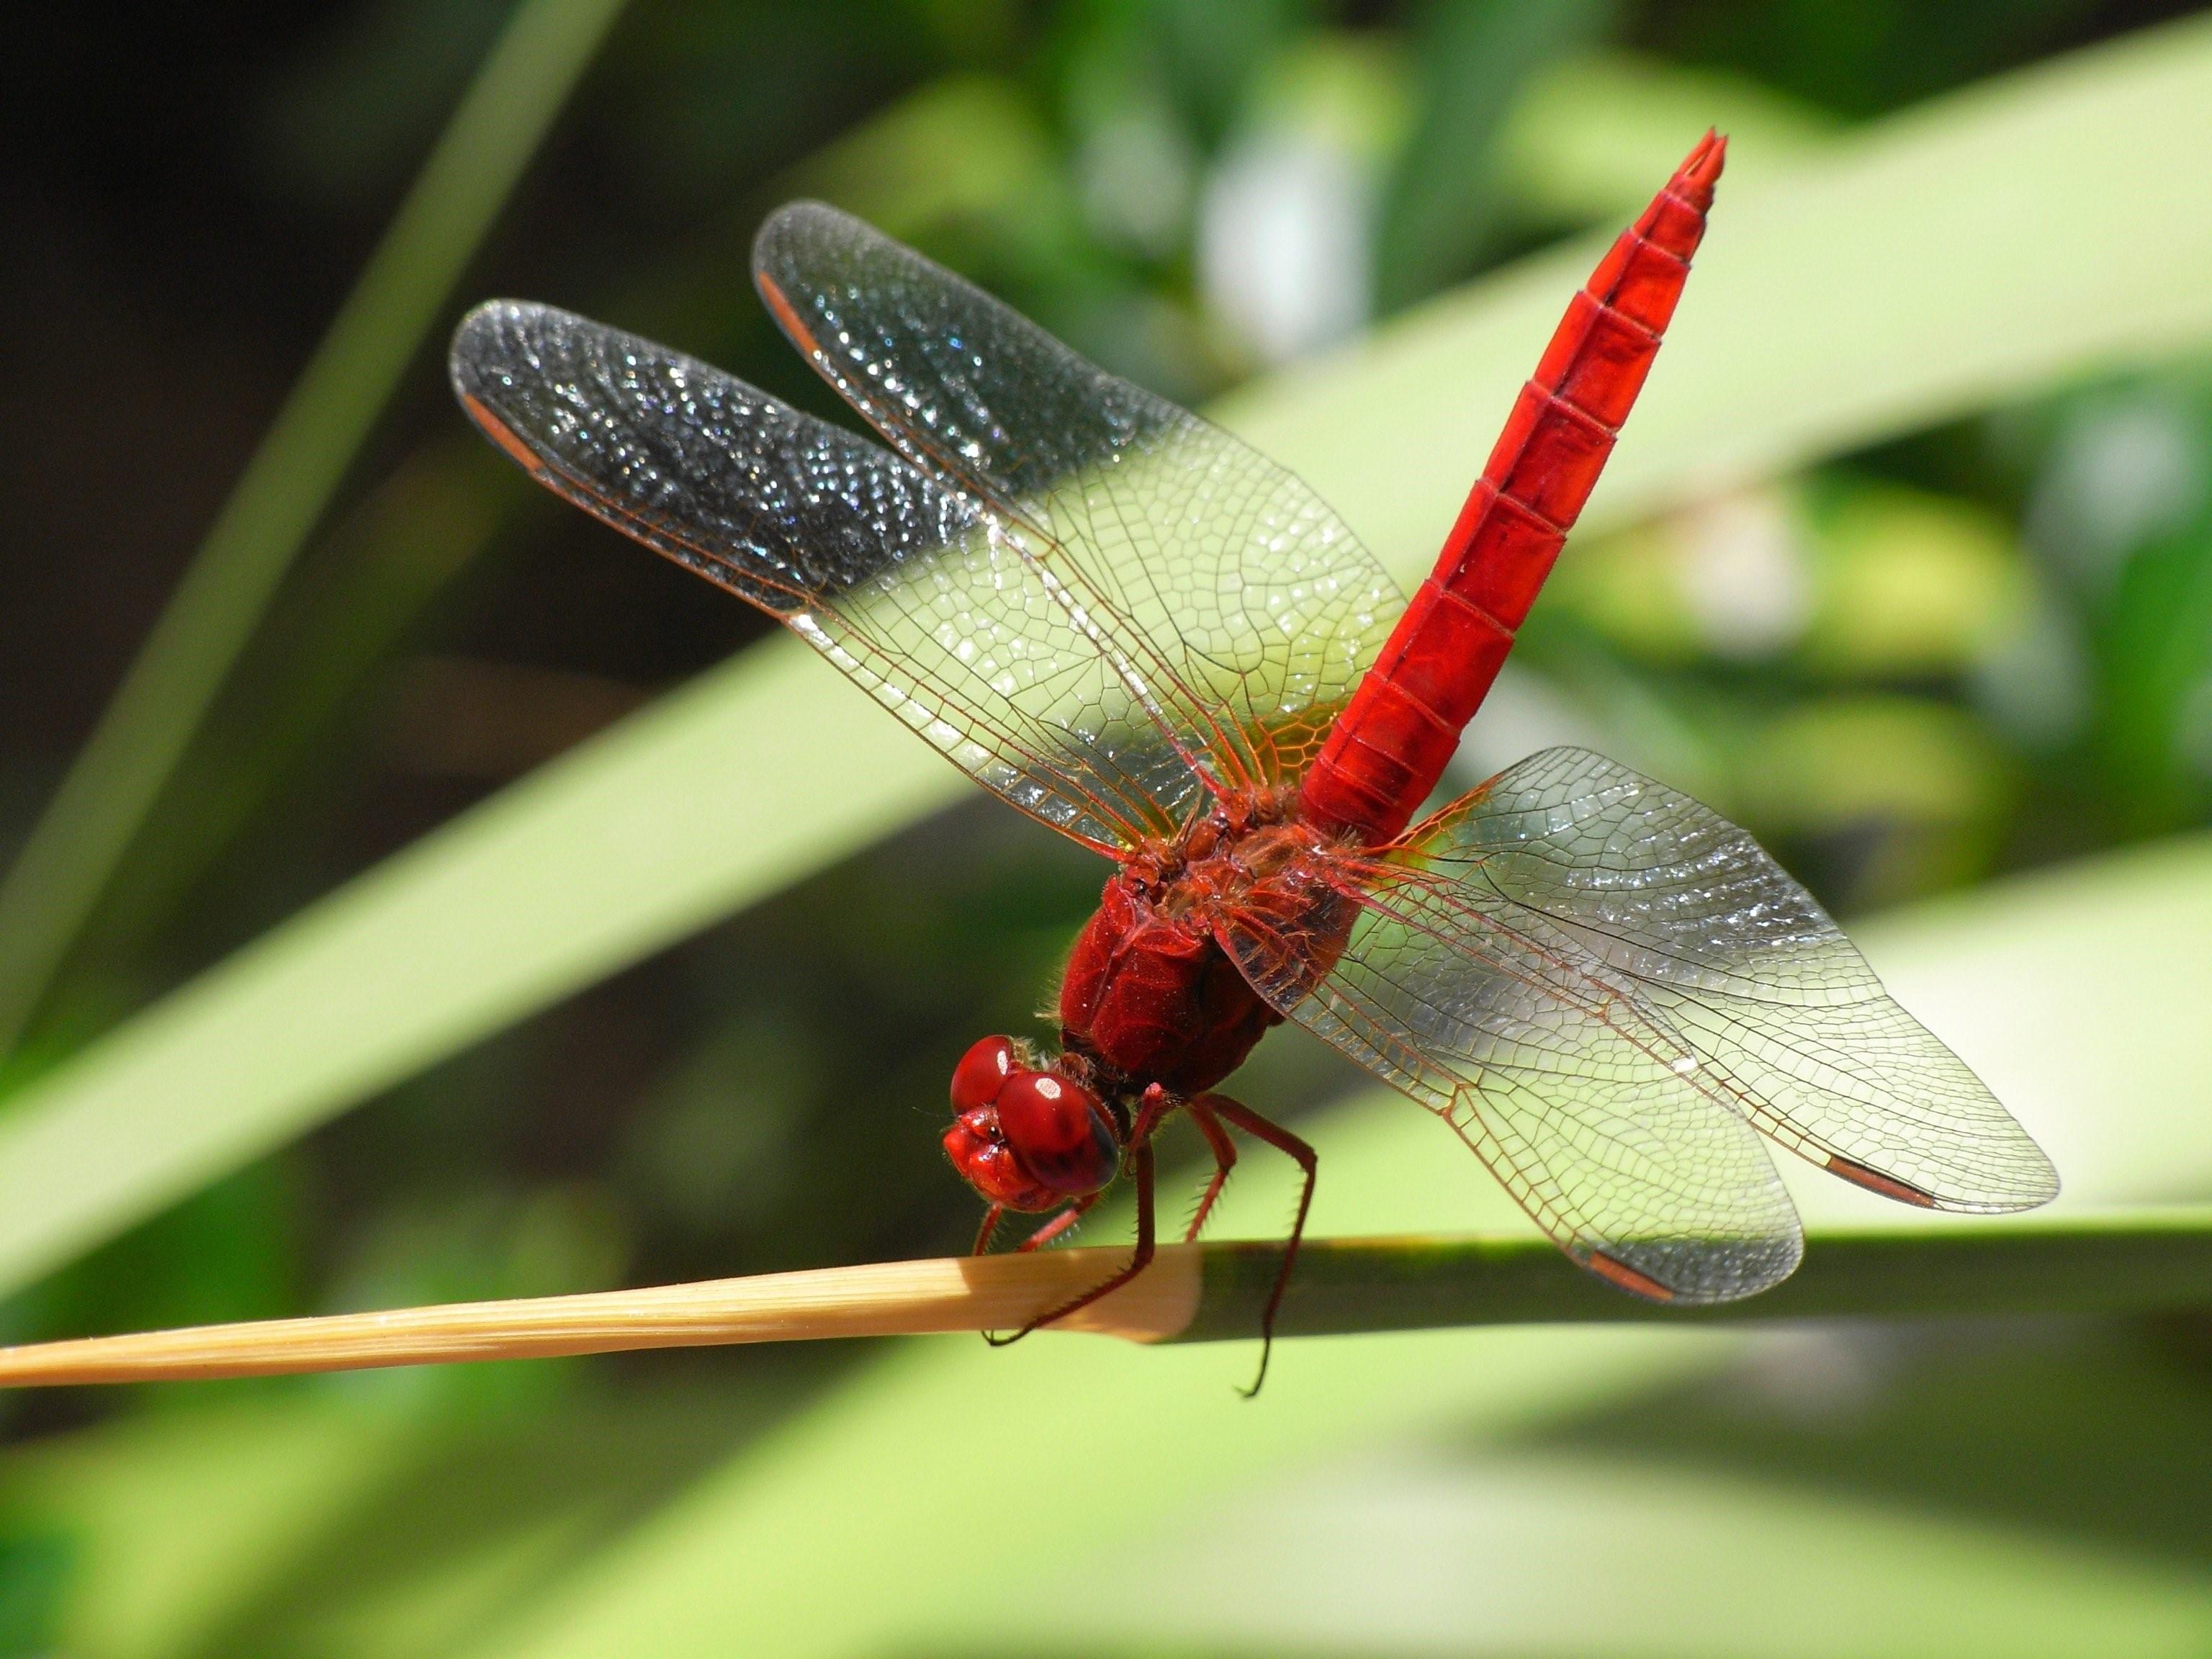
x,y
36,1564
1473,57
1871,57
73,851
1834,1489
595,865
2141,1260
1586,138
1210,50
1911,277
1909,583
408,543
177,1516
1560,1552
352,119
337,1519
1826,760
2156,639
1851,578
968,146
230,1251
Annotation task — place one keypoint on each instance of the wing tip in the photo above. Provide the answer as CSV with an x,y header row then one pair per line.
x,y
1699,1272
475,337
484,351
493,341
774,243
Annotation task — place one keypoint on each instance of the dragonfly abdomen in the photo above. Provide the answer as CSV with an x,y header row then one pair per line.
x,y
1391,746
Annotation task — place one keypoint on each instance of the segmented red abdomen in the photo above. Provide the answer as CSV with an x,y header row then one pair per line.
x,y
1390,745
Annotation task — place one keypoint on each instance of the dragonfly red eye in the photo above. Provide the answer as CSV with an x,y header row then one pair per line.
x,y
1059,1132
982,1073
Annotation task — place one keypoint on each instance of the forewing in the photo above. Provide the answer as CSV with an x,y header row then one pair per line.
x,y
1229,595
912,587
1581,1103
1686,914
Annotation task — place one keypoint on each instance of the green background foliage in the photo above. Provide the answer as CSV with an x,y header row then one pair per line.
x,y
473,909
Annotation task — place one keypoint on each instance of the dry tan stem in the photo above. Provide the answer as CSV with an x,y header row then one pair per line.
x,y
887,1298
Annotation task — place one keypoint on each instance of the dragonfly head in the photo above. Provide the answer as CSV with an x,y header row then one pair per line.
x,y
1026,1138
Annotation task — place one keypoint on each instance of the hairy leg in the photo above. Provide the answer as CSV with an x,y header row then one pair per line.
x,y
1224,1160
1284,1141
1140,1171
1058,1224
991,1217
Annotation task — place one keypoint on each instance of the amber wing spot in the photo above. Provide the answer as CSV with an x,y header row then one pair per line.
x,y
498,431
1875,1182
1617,1272
787,316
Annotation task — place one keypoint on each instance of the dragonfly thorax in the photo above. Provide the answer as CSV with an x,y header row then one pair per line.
x,y
1227,830
1149,996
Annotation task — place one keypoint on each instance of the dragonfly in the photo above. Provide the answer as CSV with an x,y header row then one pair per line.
x,y
1148,636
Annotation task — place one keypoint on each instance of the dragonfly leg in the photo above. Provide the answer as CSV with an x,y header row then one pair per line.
x,y
1140,1171
1288,1144
1152,1111
1058,1224
992,1217
1224,1160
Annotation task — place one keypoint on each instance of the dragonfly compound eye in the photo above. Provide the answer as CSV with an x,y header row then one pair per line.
x,y
982,1073
1059,1132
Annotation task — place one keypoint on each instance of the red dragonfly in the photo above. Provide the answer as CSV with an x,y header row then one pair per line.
x,y
1161,644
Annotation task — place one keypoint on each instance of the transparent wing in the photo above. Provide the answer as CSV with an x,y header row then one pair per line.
x,y
913,588
1584,1105
1227,593
1604,986
1654,894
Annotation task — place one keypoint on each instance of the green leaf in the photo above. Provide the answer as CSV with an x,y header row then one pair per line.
x,y
639,838
1442,202
176,1516
1841,1491
1971,251
1920,273
424,523
366,1517
1517,1552
1587,138
74,850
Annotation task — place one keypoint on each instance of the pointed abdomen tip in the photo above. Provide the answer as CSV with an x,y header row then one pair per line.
x,y
1695,177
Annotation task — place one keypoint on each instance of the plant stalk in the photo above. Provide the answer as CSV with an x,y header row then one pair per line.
x,y
2133,1261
